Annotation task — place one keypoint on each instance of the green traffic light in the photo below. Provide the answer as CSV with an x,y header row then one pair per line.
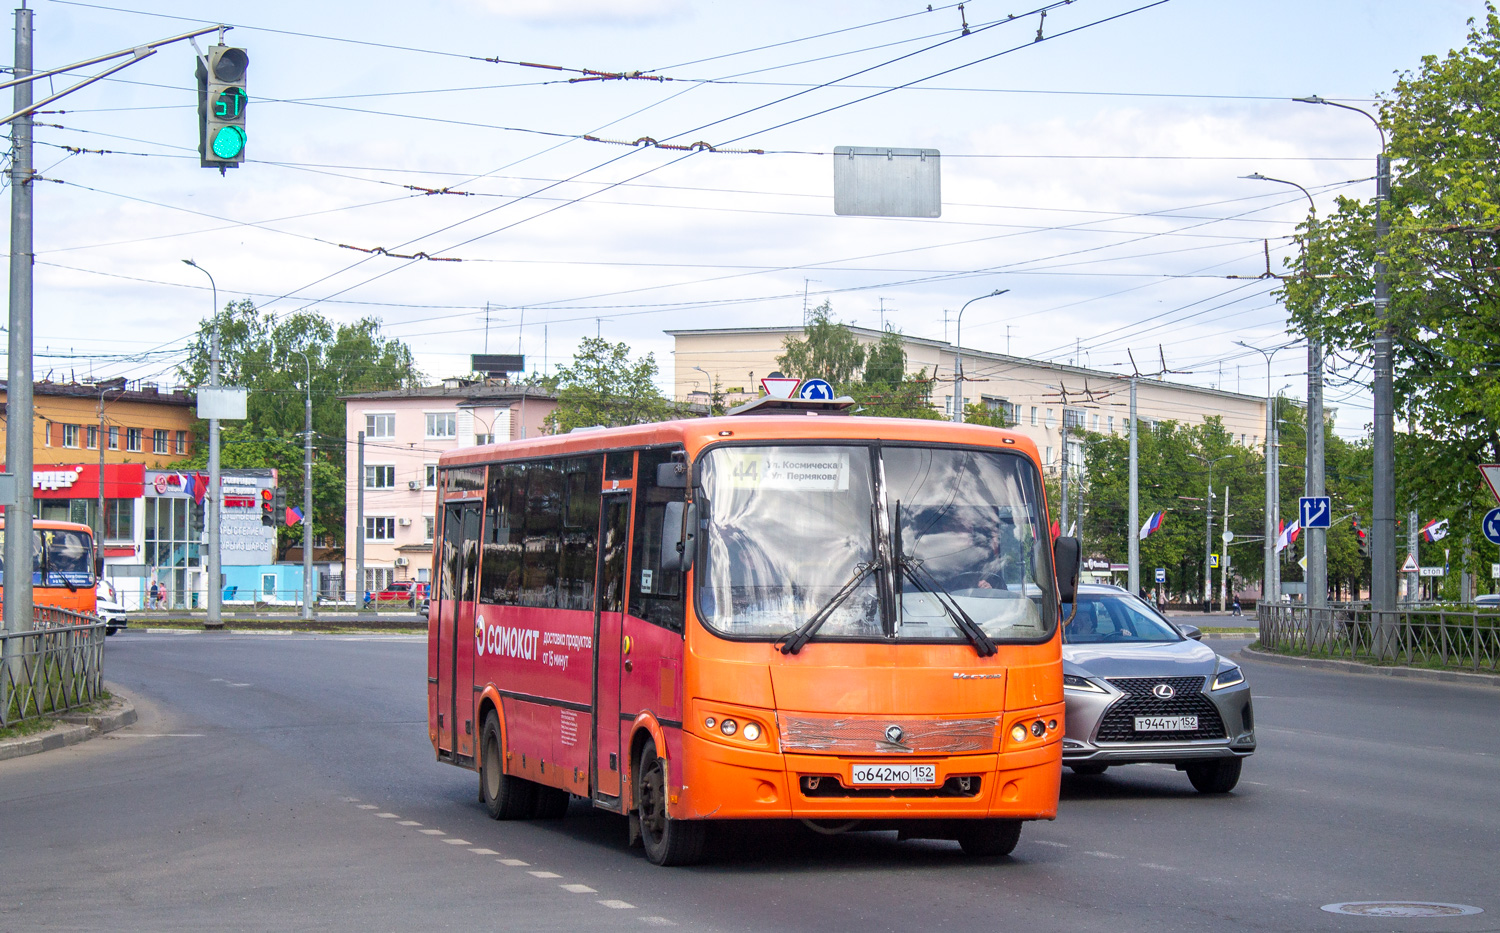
x,y
229,142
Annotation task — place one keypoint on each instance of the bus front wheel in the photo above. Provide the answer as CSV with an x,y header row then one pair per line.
x,y
667,841
505,797
989,838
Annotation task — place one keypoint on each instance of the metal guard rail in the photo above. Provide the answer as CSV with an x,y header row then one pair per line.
x,y
56,666
1460,639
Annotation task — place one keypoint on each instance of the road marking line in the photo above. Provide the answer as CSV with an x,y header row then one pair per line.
x,y
458,842
578,889
1256,783
351,800
387,816
408,823
156,735
544,874
656,921
246,685
366,806
432,832
1049,842
477,851
1103,855
618,905
1156,866
512,862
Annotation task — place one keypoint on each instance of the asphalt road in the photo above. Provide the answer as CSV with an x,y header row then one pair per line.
x,y
286,782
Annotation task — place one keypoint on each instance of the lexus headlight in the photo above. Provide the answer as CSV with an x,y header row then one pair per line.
x,y
1228,677
1081,684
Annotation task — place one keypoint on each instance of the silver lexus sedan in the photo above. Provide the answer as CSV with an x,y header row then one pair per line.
x,y
1139,690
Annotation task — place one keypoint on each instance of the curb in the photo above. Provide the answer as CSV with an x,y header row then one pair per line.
x,y
74,728
1357,667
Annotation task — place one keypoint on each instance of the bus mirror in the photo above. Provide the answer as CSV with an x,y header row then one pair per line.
x,y
1065,560
677,539
671,475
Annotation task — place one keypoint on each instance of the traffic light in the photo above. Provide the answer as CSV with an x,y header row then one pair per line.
x,y
221,107
1364,540
267,511
279,506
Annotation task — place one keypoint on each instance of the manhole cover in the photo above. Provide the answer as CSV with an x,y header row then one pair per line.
x,y
1401,909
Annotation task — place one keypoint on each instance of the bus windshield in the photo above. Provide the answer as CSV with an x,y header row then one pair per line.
x,y
59,557
888,542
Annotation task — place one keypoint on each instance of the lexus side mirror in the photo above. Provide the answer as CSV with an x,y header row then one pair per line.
x,y
1190,631
1066,554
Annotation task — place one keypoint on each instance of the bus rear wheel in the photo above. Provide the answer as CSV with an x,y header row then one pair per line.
x,y
989,838
667,841
505,797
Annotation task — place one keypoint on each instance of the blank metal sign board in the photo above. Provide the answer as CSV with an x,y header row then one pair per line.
x,y
874,181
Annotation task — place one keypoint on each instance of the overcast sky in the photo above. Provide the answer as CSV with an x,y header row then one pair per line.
x,y
1095,173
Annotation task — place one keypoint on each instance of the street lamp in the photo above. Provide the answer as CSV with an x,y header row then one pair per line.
x,y
1208,535
1268,586
1383,525
958,354
215,619
1317,538
307,496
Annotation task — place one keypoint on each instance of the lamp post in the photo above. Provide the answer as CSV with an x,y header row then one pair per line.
x,y
115,384
215,619
1208,534
1268,586
1317,538
958,355
307,496
1383,525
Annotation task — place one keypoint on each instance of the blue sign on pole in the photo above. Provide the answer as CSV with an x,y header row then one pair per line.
x,y
816,390
1316,511
1161,572
1492,525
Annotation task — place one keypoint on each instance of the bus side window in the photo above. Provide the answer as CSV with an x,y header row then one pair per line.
x,y
504,535
580,533
655,594
544,507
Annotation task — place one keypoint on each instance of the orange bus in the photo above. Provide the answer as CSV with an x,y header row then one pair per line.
x,y
847,621
62,565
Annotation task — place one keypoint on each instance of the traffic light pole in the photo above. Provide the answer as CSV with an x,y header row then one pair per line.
x,y
307,508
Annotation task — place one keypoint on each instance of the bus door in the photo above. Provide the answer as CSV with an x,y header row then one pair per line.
x,y
460,574
609,618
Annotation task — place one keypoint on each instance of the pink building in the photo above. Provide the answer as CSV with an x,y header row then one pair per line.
x,y
405,431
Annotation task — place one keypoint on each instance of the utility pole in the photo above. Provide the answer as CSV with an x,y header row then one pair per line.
x,y
958,353
1062,513
1133,530
359,529
1224,558
1413,578
1208,545
307,500
1269,589
215,620
18,437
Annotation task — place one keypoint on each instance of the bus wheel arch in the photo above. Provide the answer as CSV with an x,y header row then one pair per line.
x,y
646,729
505,797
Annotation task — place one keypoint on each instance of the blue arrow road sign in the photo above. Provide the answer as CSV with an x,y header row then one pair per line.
x,y
816,389
1316,511
1492,525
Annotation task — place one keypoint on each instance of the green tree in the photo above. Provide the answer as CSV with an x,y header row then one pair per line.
x,y
1443,123
604,386
828,350
887,390
265,354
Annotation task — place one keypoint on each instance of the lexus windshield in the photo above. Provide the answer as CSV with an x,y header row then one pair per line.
x,y
873,543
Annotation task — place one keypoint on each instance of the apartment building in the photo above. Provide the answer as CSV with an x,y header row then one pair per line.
x,y
405,431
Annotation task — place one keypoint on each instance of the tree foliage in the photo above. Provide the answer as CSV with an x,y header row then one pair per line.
x,y
266,355
1443,122
874,376
828,350
604,386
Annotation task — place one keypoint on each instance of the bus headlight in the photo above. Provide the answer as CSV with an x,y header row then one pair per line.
x,y
728,726
751,731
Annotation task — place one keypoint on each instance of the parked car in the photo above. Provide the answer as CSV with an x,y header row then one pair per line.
x,y
411,592
109,608
1140,689
1487,601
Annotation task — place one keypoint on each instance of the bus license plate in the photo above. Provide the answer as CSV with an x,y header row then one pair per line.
x,y
1166,723
894,774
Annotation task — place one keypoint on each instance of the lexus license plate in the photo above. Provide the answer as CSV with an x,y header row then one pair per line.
x,y
894,774
1166,723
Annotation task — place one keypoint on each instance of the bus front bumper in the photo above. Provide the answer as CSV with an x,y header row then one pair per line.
x,y
718,781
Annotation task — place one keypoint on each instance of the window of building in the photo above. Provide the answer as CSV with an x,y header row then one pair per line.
x,y
46,434
999,406
159,441
93,437
133,439
429,477
1033,416
427,524
380,425
1050,418
442,424
182,442
380,528
377,579
119,519
1094,423
1073,419
1048,460
114,438
70,435
484,439
380,476
1111,420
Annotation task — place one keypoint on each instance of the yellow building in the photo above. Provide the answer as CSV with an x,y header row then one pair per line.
x,y
143,425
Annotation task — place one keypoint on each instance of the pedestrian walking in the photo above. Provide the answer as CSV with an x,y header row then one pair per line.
x,y
155,595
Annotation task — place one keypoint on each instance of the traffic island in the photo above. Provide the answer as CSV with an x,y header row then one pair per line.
x,y
1385,670
43,735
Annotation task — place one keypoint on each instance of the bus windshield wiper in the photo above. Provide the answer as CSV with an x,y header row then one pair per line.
x,y
924,581
794,640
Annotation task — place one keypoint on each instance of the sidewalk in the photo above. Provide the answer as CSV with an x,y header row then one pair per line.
x,y
1359,667
73,728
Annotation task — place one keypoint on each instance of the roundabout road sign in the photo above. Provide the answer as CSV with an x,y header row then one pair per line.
x,y
1491,525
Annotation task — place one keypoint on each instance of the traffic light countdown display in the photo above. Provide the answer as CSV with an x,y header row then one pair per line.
x,y
221,107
